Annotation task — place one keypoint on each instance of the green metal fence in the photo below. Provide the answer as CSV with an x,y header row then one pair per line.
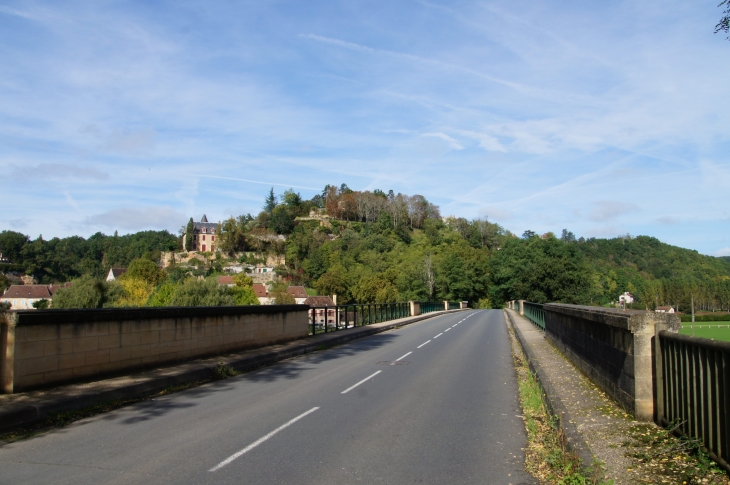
x,y
432,306
535,313
693,390
323,319
454,305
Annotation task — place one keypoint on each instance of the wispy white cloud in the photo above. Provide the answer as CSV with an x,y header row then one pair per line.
x,y
723,252
453,143
45,171
608,210
137,218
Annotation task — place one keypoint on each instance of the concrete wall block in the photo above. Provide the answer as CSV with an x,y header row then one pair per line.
x,y
72,330
97,328
69,361
131,339
21,333
110,341
183,332
84,344
150,337
57,347
40,365
139,351
29,349
40,332
168,335
96,357
120,354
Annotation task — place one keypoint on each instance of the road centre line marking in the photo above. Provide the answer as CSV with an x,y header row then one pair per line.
x,y
447,329
366,379
259,441
403,357
437,336
424,343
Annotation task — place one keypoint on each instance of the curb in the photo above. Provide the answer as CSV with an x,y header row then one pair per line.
x,y
33,414
573,439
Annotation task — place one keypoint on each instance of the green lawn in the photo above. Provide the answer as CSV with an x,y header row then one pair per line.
x,y
708,330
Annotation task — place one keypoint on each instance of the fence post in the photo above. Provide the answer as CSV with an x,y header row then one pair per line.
x,y
522,307
658,378
7,352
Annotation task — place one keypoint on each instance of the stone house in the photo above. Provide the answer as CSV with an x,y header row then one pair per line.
x,y
22,297
317,314
262,294
299,293
203,236
665,309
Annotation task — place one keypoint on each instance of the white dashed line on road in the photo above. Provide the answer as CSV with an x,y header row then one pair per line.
x,y
403,357
260,440
424,343
437,336
364,380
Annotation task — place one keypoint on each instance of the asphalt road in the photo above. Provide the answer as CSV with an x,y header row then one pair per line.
x,y
447,412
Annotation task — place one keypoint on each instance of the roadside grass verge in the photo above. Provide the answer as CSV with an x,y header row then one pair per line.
x,y
546,456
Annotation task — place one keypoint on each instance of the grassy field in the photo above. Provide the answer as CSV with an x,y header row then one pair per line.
x,y
713,330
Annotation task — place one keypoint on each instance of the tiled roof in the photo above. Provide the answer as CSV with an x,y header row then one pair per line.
x,y
260,290
28,291
297,291
226,280
117,272
319,301
54,288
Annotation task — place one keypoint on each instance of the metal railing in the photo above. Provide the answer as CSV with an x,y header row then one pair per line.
x,y
323,319
432,306
693,390
454,305
535,313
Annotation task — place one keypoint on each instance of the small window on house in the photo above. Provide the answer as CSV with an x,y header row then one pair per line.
x,y
203,247
212,238
203,237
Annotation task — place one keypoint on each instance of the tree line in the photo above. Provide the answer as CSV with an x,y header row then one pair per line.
x,y
377,246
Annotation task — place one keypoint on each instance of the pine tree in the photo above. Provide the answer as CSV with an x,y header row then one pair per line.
x,y
270,203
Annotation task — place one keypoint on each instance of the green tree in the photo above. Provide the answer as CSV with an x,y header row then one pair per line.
x,y
282,220
724,24
202,293
40,304
334,282
541,271
145,270
190,235
85,292
270,201
231,237
162,296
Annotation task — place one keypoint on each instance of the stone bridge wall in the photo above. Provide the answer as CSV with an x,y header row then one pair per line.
x,y
612,347
43,347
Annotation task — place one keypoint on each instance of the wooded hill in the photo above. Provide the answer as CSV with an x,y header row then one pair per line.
x,y
379,247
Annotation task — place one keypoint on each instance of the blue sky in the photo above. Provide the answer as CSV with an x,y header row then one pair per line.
x,y
605,118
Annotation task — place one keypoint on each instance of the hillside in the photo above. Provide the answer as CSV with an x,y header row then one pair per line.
x,y
377,247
